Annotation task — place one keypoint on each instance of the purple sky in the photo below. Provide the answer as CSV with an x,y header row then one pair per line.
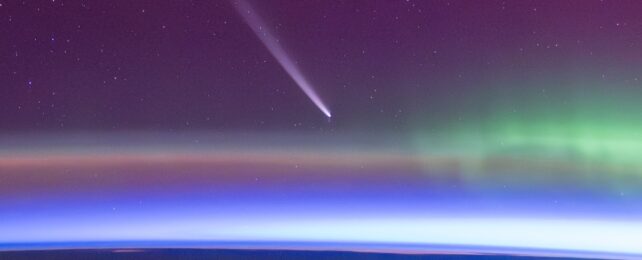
x,y
171,65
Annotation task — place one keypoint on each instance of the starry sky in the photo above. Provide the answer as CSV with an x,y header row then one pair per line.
x,y
385,65
161,120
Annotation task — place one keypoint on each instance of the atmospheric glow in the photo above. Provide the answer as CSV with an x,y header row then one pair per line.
x,y
573,236
272,44
167,190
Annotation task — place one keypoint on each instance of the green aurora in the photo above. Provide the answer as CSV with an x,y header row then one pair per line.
x,y
594,134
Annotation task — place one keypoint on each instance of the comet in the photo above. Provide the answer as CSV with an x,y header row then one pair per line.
x,y
258,26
